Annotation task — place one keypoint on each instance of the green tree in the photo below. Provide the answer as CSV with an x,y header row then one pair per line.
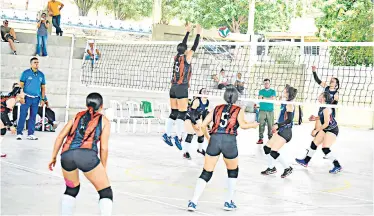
x,y
84,6
347,21
127,9
169,10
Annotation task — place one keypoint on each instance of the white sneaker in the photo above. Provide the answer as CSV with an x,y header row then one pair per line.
x,y
32,137
19,137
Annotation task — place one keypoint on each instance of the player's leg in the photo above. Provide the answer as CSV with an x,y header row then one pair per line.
x,y
172,117
200,139
230,156
3,132
182,102
329,140
188,139
281,138
71,176
271,166
318,139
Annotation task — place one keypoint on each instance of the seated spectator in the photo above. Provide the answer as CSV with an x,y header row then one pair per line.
x,y
42,35
222,80
8,35
239,83
92,53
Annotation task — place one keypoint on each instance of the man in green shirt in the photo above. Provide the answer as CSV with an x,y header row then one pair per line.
x,y
266,114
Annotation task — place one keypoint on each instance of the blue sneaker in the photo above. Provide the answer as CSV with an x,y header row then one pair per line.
x,y
191,206
302,162
167,139
177,143
335,170
229,206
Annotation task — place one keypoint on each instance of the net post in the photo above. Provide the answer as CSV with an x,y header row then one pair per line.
x,y
69,79
372,122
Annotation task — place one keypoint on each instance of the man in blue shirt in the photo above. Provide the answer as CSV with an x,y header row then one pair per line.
x,y
266,114
33,83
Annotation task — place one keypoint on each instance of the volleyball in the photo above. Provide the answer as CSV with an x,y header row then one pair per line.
x,y
223,31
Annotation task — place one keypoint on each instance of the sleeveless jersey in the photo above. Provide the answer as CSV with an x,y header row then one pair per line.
x,y
84,136
332,94
222,124
332,122
201,108
181,70
283,117
3,105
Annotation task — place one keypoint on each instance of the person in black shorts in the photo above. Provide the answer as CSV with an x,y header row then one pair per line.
x,y
79,151
180,82
222,139
282,134
332,89
325,132
195,115
8,102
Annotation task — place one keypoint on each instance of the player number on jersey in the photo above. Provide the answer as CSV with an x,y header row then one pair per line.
x,y
224,120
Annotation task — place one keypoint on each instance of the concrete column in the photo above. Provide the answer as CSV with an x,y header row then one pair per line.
x,y
251,18
157,11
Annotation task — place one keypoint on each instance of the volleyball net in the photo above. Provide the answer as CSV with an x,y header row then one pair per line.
x,y
148,66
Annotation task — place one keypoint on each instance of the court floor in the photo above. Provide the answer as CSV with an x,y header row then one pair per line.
x,y
150,178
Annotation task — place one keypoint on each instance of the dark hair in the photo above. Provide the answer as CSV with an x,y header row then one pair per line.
x,y
201,90
327,96
94,101
44,14
33,58
14,85
222,70
337,82
266,80
292,92
181,48
231,95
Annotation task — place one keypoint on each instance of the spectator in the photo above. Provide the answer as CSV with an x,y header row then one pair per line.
x,y
266,114
8,35
92,53
239,83
42,35
221,80
54,9
33,83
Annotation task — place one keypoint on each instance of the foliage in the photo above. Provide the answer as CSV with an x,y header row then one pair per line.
x,y
169,10
84,6
127,9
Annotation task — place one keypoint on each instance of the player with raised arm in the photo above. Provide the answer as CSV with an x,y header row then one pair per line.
x,y
180,83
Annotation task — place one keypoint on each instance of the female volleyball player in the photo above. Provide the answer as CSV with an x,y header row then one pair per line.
x,y
325,132
282,134
7,104
179,88
226,120
196,113
80,152
332,89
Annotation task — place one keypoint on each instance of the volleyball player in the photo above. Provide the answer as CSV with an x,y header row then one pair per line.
x,y
6,105
179,88
332,88
325,132
198,108
226,120
80,150
282,134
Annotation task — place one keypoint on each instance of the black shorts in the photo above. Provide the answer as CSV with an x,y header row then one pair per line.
x,y
189,117
286,133
334,131
83,159
223,143
179,91
3,131
8,36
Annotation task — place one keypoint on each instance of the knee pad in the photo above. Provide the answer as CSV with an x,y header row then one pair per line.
x,y
274,154
233,173
326,150
182,115
206,176
189,138
3,131
200,139
72,191
267,150
313,146
106,193
174,113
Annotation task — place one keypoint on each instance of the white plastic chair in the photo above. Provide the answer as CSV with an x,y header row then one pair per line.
x,y
134,114
117,113
163,108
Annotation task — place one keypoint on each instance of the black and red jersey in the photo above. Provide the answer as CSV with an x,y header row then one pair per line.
x,y
225,120
181,70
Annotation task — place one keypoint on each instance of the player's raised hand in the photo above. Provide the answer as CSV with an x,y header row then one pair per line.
x,y
198,29
188,27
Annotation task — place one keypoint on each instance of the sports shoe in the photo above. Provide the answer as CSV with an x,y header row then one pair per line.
x,y
229,206
177,143
202,151
287,172
32,137
187,156
167,139
269,171
260,141
19,137
191,206
335,170
301,162
2,155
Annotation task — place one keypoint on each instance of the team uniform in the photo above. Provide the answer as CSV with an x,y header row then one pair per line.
x,y
4,113
285,131
201,111
181,77
224,132
332,94
333,125
80,148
